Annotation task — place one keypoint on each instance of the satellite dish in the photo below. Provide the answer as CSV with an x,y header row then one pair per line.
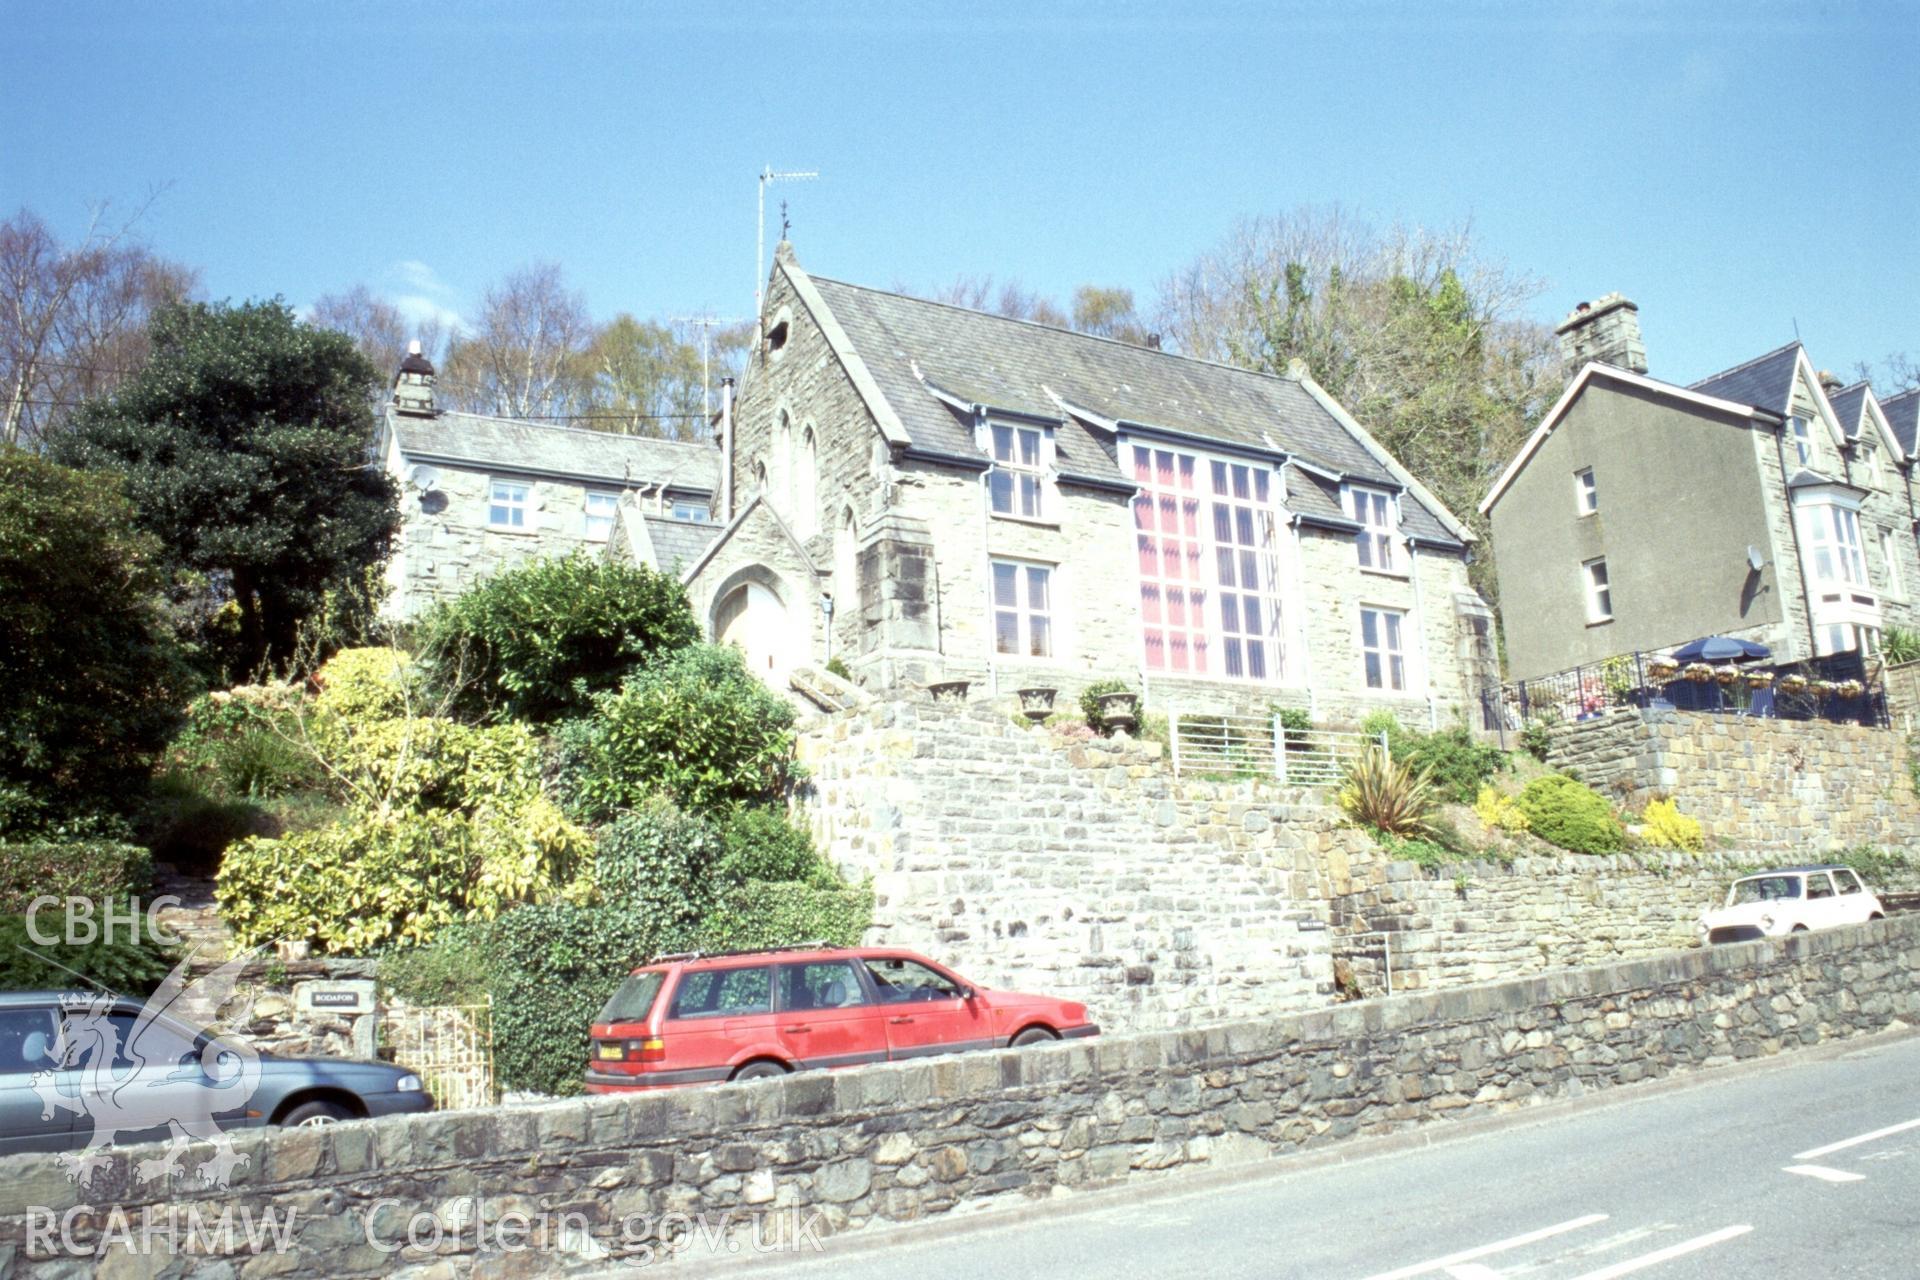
x,y
1755,561
423,477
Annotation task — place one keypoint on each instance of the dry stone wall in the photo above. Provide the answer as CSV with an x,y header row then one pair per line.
x,y
1769,785
595,1182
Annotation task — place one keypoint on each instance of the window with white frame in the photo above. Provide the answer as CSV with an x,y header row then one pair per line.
x,y
1889,556
1802,438
1205,533
1586,495
1599,592
688,509
600,509
507,505
1017,479
1832,536
1022,609
1373,510
1383,657
1839,637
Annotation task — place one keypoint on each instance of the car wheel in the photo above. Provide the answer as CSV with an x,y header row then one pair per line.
x,y
759,1071
1876,916
314,1113
1033,1035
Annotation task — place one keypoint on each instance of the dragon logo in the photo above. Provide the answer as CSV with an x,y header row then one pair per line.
x,y
160,1072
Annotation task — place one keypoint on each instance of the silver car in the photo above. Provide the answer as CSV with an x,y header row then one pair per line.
x,y
79,1069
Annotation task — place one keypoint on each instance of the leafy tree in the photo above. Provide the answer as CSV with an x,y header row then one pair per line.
x,y
244,442
537,642
1420,335
527,355
648,379
379,329
89,671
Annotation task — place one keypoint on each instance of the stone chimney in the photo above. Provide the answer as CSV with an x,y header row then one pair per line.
x,y
1830,381
1607,330
413,385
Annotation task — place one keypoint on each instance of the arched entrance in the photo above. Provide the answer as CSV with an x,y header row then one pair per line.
x,y
752,617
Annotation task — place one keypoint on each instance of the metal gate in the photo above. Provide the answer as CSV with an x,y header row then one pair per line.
x,y
450,1047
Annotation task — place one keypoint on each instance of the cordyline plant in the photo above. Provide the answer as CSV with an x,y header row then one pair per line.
x,y
1387,795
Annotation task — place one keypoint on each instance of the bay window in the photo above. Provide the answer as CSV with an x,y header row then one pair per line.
x,y
1832,536
1205,532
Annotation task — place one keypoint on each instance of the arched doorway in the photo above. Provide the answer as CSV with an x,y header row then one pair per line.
x,y
751,617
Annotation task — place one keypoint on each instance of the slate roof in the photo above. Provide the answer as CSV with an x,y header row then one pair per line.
x,y
1765,381
1849,405
678,543
1903,415
1013,364
512,444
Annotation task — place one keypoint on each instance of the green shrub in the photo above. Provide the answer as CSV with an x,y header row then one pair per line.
x,y
536,643
432,764
553,968
263,762
1385,722
1536,738
763,913
1900,644
455,968
96,870
658,867
1568,813
186,826
1459,763
374,880
1387,795
1884,870
1091,695
836,666
91,679
1664,827
1294,719
1416,849
129,965
695,725
763,844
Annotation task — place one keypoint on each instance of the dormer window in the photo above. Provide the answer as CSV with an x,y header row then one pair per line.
x,y
1802,439
1017,481
1372,509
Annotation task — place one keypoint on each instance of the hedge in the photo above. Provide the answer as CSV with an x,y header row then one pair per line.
x,y
93,869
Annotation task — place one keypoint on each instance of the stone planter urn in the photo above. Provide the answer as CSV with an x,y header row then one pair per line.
x,y
1036,704
949,690
1120,710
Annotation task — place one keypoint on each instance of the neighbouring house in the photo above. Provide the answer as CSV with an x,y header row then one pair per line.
x,y
479,493
1766,502
930,493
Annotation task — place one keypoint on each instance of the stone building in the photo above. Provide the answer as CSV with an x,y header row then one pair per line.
x,y
1767,502
928,493
480,493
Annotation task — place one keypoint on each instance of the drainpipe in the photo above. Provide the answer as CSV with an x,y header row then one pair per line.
x,y
726,450
1420,630
1793,530
986,547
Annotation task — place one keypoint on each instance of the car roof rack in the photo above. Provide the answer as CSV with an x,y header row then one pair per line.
x,y
812,944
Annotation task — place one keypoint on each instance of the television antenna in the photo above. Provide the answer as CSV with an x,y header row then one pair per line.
x,y
707,323
769,174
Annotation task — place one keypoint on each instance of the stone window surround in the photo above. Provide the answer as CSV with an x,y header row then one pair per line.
x,y
1800,431
1890,556
1023,610
1390,647
1597,590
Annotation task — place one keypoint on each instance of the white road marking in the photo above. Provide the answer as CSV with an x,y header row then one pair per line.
x,y
1468,1255
1825,1174
1472,1271
1658,1256
1832,1147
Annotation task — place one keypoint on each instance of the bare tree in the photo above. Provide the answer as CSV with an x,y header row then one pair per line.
x,y
979,293
527,356
1109,313
377,327
1897,373
73,318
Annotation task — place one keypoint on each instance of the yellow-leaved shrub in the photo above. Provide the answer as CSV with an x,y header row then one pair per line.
x,y
1497,809
1664,827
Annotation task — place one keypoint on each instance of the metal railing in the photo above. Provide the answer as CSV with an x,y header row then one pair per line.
x,y
1845,688
450,1047
1264,747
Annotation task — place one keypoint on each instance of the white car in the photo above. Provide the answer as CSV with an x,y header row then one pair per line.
x,y
1790,900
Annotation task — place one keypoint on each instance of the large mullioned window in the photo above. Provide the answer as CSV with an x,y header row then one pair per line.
x,y
1205,534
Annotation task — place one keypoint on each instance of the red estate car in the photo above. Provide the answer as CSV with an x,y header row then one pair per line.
x,y
693,1019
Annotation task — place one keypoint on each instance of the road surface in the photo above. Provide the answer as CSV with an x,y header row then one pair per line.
x,y
1806,1167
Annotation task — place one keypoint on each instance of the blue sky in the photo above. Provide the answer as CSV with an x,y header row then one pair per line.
x,y
1733,169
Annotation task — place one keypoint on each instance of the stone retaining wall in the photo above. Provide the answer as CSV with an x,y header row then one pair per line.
x,y
903,1142
1753,783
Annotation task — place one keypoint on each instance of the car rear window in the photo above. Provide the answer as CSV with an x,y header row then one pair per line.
x,y
707,993
634,1000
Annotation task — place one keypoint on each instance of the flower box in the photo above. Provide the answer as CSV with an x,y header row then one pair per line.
x,y
1759,679
1661,668
1793,684
1727,674
1697,672
1849,689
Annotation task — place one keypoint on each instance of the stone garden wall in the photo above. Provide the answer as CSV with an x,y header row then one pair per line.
x,y
1789,786
819,1153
